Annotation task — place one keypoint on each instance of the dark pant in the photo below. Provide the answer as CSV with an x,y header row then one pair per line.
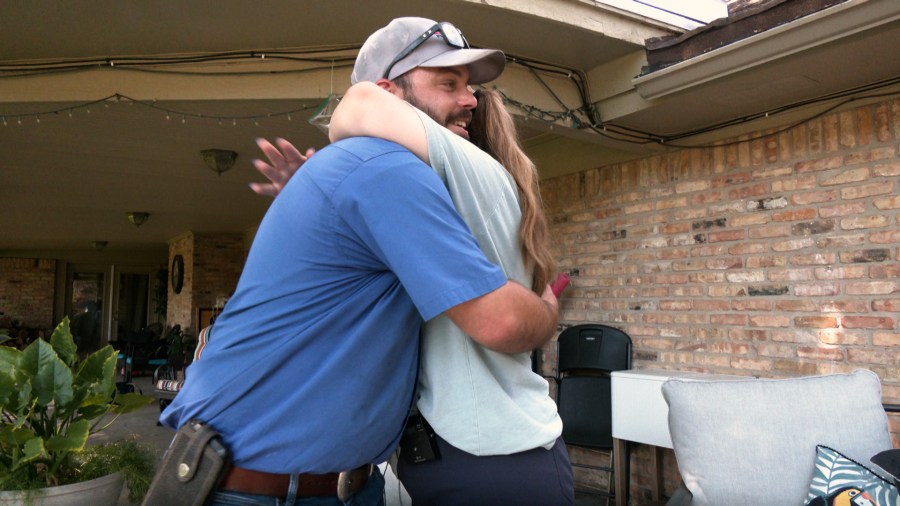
x,y
535,477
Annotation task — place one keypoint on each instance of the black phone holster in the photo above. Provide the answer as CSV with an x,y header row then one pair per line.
x,y
191,468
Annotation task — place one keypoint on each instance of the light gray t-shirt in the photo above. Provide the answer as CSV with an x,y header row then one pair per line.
x,y
481,401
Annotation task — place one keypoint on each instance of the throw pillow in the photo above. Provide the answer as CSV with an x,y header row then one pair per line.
x,y
841,480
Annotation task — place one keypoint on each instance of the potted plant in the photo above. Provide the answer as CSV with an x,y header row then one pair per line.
x,y
51,402
180,349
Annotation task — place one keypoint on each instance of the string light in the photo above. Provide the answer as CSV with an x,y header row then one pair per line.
x,y
153,105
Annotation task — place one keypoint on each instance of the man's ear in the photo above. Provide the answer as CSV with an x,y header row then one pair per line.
x,y
390,87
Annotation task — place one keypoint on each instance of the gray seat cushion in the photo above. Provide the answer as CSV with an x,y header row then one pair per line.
x,y
754,442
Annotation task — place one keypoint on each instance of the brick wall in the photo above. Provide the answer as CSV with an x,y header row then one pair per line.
x,y
775,256
26,291
212,267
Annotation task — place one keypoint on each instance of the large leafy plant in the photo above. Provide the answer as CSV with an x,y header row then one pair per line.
x,y
51,401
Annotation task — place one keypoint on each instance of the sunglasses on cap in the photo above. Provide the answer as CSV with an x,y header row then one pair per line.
x,y
452,36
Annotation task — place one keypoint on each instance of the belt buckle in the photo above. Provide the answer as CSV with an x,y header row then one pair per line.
x,y
347,480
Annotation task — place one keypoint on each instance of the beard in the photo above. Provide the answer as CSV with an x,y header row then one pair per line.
x,y
463,115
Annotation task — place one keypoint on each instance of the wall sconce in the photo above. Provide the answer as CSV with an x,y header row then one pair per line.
x,y
99,245
137,218
219,160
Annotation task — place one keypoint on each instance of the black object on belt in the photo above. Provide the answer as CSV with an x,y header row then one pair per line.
x,y
247,481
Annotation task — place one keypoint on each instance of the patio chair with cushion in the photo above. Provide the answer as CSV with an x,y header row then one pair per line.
x,y
790,441
165,381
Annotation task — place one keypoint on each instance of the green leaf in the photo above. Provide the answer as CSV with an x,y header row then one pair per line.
x,y
96,377
126,403
74,440
15,436
51,378
34,449
9,357
63,343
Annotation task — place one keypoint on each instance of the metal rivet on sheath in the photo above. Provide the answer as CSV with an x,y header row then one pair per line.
x,y
183,470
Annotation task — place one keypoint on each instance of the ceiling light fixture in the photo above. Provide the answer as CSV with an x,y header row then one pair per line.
x,y
219,160
137,218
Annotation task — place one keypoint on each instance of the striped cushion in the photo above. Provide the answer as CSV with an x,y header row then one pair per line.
x,y
202,339
168,385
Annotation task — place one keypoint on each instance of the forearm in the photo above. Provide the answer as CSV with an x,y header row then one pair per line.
x,y
511,319
367,110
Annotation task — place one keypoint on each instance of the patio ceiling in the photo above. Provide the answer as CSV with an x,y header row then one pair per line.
x,y
69,172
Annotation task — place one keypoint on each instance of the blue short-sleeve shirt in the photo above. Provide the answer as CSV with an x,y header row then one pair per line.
x,y
312,364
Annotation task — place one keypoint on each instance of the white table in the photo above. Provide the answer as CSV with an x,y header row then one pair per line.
x,y
641,415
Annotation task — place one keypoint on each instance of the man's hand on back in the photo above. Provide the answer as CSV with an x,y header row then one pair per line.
x,y
284,161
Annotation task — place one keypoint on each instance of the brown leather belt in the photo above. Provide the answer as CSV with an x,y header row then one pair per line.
x,y
343,485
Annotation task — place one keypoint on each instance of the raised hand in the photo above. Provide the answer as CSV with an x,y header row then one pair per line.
x,y
284,161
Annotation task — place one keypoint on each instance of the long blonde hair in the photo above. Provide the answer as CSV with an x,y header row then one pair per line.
x,y
492,129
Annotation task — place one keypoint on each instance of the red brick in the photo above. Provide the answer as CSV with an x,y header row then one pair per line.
x,y
814,197
790,275
885,203
794,184
885,237
882,356
732,179
886,305
842,337
775,230
885,271
869,156
872,288
754,304
777,350
821,290
850,272
755,190
867,322
847,176
830,132
855,223
843,209
819,353
814,259
804,305
882,123
770,321
794,244
675,305
868,190
821,322
833,162
757,262
730,235
795,215
890,339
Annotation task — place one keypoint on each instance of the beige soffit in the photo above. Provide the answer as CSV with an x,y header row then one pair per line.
x,y
803,34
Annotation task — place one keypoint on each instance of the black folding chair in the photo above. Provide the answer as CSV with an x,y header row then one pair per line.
x,y
587,354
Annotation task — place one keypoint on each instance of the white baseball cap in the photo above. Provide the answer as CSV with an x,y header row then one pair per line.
x,y
426,43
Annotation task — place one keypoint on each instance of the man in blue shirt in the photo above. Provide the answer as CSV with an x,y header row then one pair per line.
x,y
310,369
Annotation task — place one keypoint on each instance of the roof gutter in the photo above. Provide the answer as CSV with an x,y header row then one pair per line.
x,y
817,29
